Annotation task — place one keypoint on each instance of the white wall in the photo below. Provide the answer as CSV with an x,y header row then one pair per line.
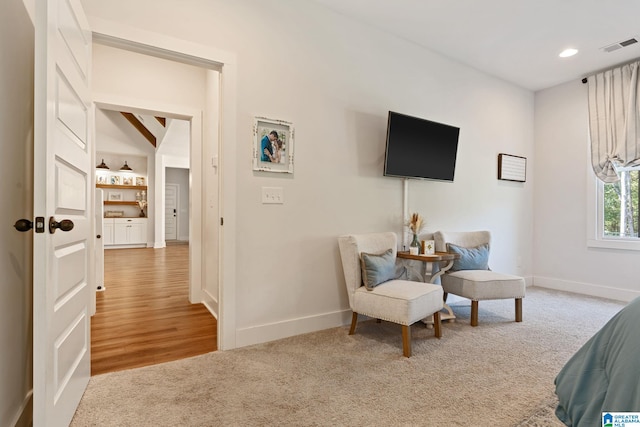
x,y
336,79
16,171
562,258
143,77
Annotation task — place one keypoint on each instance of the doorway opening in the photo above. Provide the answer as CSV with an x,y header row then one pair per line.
x,y
168,156
212,175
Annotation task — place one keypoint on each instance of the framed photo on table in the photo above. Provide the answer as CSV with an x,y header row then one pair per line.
x,y
272,145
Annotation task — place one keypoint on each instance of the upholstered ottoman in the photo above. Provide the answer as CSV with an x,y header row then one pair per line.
x,y
478,285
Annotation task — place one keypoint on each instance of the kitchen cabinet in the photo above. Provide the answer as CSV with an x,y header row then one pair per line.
x,y
125,231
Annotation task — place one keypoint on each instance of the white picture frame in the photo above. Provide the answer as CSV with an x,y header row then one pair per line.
x,y
115,196
273,142
429,247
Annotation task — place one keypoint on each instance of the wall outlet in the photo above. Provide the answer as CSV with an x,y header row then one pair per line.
x,y
272,195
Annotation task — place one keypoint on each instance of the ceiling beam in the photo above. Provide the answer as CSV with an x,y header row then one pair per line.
x,y
141,128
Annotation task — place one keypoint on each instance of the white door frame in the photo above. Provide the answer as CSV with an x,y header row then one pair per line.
x,y
159,45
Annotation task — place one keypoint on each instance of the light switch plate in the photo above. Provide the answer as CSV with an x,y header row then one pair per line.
x,y
272,195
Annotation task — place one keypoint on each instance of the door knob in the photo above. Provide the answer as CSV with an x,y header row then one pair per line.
x,y
64,225
23,225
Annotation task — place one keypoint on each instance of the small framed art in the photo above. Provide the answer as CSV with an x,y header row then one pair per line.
x,y
115,196
512,168
272,145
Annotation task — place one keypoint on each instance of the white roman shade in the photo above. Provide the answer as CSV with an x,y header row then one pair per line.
x,y
614,121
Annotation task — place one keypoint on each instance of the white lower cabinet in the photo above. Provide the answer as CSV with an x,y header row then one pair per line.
x,y
107,231
125,231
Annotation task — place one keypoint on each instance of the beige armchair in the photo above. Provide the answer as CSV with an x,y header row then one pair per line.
x,y
369,264
470,276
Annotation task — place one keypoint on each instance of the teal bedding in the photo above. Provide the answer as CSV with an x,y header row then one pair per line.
x,y
604,375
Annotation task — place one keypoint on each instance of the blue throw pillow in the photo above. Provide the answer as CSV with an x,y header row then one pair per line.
x,y
377,268
470,258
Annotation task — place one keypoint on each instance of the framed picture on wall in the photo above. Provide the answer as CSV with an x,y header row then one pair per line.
x,y
115,196
272,145
512,168
127,180
140,180
115,179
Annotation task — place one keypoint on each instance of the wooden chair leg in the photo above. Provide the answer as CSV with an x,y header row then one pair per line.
x,y
437,323
474,313
406,340
354,322
518,309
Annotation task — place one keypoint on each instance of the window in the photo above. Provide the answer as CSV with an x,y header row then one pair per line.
x,y
620,206
616,223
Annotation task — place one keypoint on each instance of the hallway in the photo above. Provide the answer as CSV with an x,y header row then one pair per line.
x,y
144,316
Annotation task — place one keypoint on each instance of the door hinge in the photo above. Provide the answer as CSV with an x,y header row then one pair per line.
x,y
221,221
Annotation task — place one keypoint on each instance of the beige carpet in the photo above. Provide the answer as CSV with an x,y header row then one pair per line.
x,y
498,374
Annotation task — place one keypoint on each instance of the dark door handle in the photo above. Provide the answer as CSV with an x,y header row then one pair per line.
x,y
23,225
98,236
64,225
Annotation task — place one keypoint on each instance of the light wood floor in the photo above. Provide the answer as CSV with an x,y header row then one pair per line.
x,y
144,316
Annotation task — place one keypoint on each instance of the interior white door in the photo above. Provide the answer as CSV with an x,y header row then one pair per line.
x,y
63,185
171,211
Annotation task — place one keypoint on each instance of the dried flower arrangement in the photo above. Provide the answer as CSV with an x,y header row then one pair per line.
x,y
415,223
142,204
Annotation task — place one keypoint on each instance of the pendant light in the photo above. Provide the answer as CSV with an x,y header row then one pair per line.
x,y
102,165
126,168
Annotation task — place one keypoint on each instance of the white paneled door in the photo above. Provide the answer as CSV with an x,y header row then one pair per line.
x,y
63,238
171,211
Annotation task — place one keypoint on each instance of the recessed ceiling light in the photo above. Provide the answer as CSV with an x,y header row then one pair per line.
x,y
568,52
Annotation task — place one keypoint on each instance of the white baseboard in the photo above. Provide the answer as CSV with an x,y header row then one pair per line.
x,y
590,289
24,415
210,303
301,325
292,327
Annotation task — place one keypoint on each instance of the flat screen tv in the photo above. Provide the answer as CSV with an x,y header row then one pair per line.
x,y
419,148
